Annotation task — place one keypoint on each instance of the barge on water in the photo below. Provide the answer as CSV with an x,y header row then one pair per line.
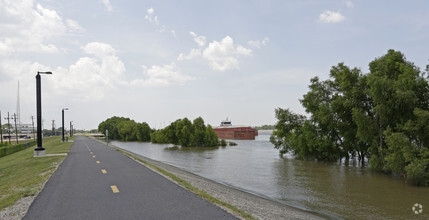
x,y
227,131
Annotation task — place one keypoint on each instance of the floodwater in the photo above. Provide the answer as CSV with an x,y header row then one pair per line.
x,y
333,190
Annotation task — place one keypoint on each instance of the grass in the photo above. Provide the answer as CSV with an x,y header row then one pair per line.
x,y
193,189
23,175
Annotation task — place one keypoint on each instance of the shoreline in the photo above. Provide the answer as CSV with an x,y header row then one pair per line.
x,y
258,206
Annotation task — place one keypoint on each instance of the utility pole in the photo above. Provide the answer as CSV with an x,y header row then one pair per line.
x,y
53,127
16,127
1,130
8,125
32,122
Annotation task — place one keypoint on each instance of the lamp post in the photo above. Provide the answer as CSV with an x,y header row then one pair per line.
x,y
71,129
39,149
63,122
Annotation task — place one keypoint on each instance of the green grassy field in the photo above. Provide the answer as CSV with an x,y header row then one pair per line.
x,y
23,175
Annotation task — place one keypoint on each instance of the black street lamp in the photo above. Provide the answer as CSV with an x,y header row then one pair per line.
x,y
63,122
39,149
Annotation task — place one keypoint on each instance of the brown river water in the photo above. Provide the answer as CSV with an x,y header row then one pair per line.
x,y
333,190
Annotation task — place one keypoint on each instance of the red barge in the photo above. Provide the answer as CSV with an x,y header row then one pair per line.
x,y
227,131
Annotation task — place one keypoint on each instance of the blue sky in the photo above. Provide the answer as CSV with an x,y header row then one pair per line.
x,y
157,61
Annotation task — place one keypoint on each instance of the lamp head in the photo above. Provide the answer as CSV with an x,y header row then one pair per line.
x,y
44,72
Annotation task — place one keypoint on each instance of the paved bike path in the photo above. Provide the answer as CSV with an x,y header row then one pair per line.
x,y
97,182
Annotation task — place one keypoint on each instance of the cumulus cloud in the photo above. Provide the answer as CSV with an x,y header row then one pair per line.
x,y
259,43
199,39
90,76
85,80
331,17
192,54
28,28
99,49
162,76
107,5
223,55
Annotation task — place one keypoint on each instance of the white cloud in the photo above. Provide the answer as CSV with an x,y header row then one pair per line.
x,y
99,49
223,55
73,26
162,76
150,16
259,43
107,5
150,11
192,54
349,4
89,77
199,39
331,17
26,27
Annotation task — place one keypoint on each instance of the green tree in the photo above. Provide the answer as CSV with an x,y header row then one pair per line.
x,y
187,134
111,124
287,127
394,86
143,132
199,133
211,138
184,131
127,130
383,116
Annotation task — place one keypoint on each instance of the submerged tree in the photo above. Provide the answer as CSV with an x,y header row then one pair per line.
x,y
383,116
187,134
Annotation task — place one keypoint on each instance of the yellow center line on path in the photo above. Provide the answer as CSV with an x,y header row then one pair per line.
x,y
91,152
86,146
114,189
98,161
103,171
93,156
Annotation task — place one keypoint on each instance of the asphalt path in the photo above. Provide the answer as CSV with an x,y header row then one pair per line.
x,y
97,182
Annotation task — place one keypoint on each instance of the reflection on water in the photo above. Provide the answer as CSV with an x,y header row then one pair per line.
x,y
332,189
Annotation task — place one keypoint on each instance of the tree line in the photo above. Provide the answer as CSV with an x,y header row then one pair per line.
x,y
180,132
382,116
125,129
186,133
